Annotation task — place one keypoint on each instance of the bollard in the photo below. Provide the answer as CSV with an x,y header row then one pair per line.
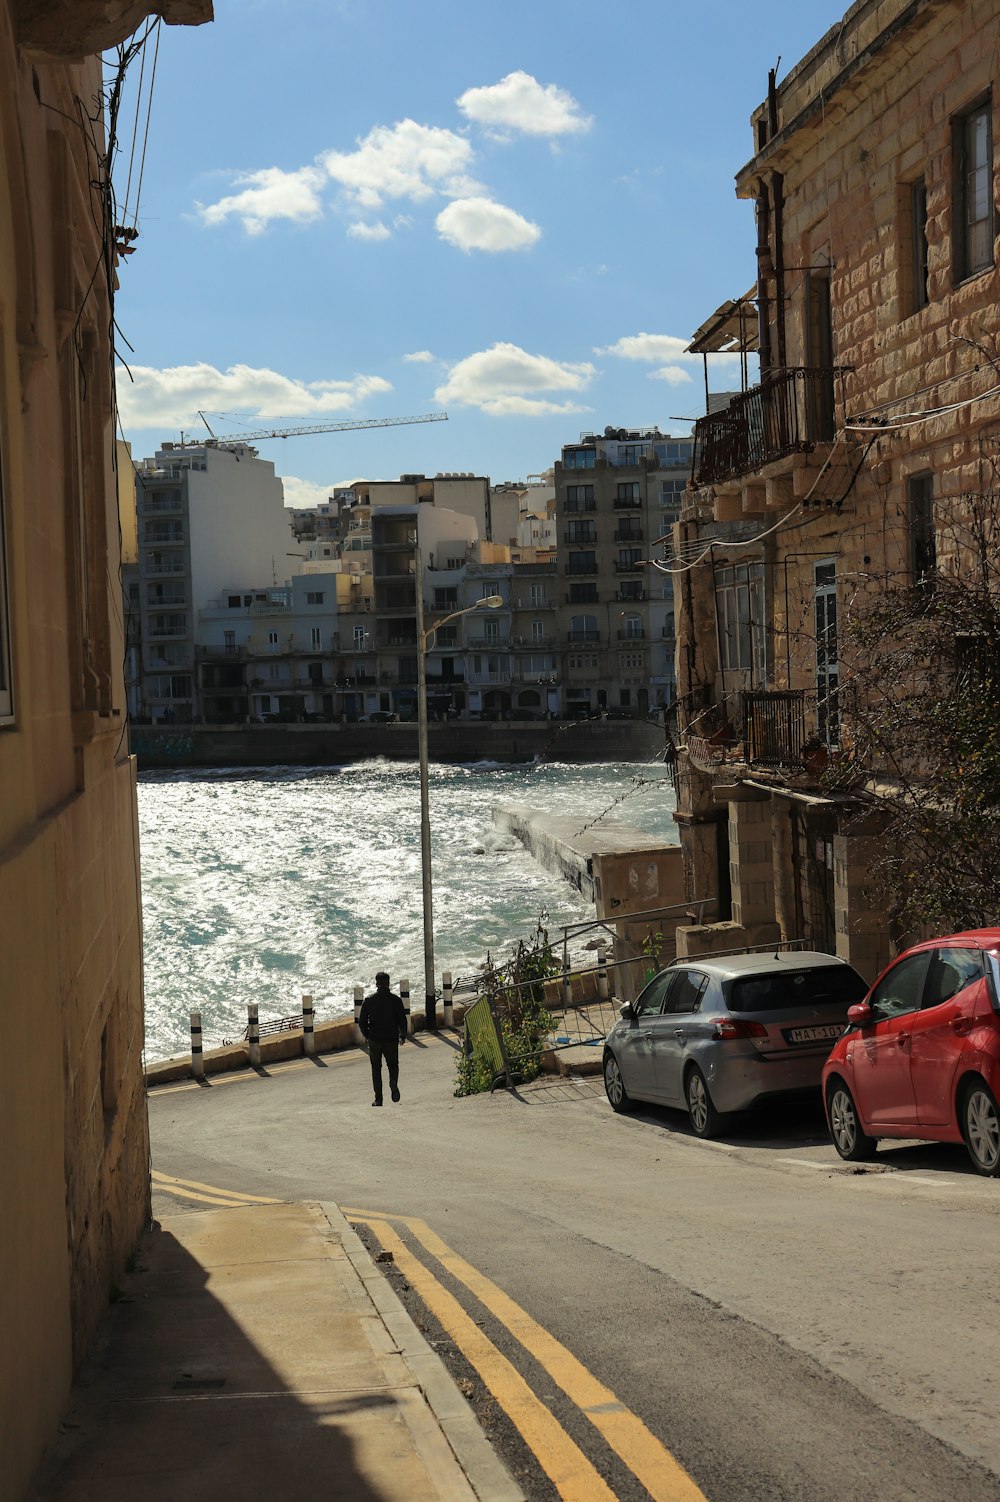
x,y
404,996
308,1026
603,991
253,1034
359,996
197,1057
567,985
449,1003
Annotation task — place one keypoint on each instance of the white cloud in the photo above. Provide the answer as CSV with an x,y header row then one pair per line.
x,y
651,347
481,224
171,397
419,357
674,375
405,160
505,380
269,194
520,103
302,493
362,231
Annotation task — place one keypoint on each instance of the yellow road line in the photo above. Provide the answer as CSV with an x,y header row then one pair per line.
x,y
649,1460
561,1459
239,1078
202,1199
185,1187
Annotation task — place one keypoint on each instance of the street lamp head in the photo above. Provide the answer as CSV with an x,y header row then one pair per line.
x,y
492,602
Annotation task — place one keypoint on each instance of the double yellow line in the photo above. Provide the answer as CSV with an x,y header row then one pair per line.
x,y
206,1194
238,1077
572,1474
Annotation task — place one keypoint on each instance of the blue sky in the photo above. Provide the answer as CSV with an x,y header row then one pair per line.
x,y
517,213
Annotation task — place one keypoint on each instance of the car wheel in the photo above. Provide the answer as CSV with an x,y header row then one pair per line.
x,y
845,1125
706,1121
615,1085
981,1128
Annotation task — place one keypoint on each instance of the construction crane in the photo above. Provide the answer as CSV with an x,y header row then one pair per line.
x,y
327,427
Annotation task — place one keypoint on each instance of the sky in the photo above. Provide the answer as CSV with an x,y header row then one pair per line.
x,y
516,213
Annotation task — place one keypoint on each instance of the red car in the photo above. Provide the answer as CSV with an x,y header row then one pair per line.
x,y
921,1055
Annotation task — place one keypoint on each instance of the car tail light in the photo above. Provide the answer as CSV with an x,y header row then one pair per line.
x,y
729,1027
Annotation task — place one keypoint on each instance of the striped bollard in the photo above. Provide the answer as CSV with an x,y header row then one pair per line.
x,y
404,996
253,1034
197,1057
359,996
449,1003
603,990
567,984
308,1026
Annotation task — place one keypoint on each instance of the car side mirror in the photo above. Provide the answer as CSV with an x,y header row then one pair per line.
x,y
627,1011
860,1014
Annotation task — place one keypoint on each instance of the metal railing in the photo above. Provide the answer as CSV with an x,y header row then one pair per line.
x,y
788,413
773,726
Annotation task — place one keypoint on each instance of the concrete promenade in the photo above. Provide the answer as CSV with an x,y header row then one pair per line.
x,y
257,1352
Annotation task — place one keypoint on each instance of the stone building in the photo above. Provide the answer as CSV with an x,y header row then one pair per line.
x,y
74,1181
873,184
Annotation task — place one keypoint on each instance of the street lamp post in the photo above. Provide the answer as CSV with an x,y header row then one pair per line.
x,y
424,639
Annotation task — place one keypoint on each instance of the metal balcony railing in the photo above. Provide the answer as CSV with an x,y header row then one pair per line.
x,y
788,413
773,727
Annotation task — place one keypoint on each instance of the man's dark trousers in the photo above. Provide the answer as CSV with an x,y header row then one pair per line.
x,y
390,1052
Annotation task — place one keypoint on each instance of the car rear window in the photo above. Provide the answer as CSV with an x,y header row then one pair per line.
x,y
787,990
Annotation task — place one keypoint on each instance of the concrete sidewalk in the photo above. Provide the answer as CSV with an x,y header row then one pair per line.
x,y
258,1353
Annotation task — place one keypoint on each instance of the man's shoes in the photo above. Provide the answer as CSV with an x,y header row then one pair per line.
x,y
395,1093
376,1102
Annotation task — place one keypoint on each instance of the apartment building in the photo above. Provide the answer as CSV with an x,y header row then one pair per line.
x,y
616,496
74,1177
207,514
871,430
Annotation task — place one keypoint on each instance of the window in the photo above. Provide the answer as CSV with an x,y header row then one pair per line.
x,y
579,458
314,597
920,514
490,588
229,640
630,661
583,628
827,664
316,636
491,631
632,626
6,694
629,528
581,532
951,971
234,602
580,498
272,641
739,601
686,992
445,599
631,589
918,244
537,630
625,697
583,594
902,989
671,494
627,493
582,563
972,206
632,453
360,636
537,595
629,559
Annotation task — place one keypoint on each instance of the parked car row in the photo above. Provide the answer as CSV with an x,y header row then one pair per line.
x,y
917,1055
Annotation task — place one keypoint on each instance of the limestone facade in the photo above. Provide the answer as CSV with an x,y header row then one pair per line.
x,y
876,419
74,1179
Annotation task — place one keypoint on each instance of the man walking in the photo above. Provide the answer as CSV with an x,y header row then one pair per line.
x,y
383,1023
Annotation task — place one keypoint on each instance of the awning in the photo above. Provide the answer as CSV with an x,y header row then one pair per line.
x,y
732,329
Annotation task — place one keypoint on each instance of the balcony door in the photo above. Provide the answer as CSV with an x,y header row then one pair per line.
x,y
819,347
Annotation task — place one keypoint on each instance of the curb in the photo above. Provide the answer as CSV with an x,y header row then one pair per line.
x,y
486,1472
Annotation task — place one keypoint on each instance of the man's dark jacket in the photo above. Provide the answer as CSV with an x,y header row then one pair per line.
x,y
382,1017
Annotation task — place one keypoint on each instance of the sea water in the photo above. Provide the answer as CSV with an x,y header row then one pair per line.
x,y
264,885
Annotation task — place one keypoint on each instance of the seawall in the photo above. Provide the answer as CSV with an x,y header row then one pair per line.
x,y
577,741
558,842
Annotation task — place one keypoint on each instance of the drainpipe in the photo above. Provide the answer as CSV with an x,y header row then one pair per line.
x,y
778,198
763,272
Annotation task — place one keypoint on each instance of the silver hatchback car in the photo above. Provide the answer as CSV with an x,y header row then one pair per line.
x,y
716,1033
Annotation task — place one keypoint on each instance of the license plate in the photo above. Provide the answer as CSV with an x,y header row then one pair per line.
x,y
813,1034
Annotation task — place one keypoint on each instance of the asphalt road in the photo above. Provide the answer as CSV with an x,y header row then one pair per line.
x,y
784,1326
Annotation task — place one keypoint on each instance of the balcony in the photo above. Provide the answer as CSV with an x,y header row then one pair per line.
x,y
154,564
589,638
627,503
484,678
628,566
773,727
156,505
488,644
637,633
628,534
546,604
533,643
579,508
788,413
580,538
630,595
574,570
